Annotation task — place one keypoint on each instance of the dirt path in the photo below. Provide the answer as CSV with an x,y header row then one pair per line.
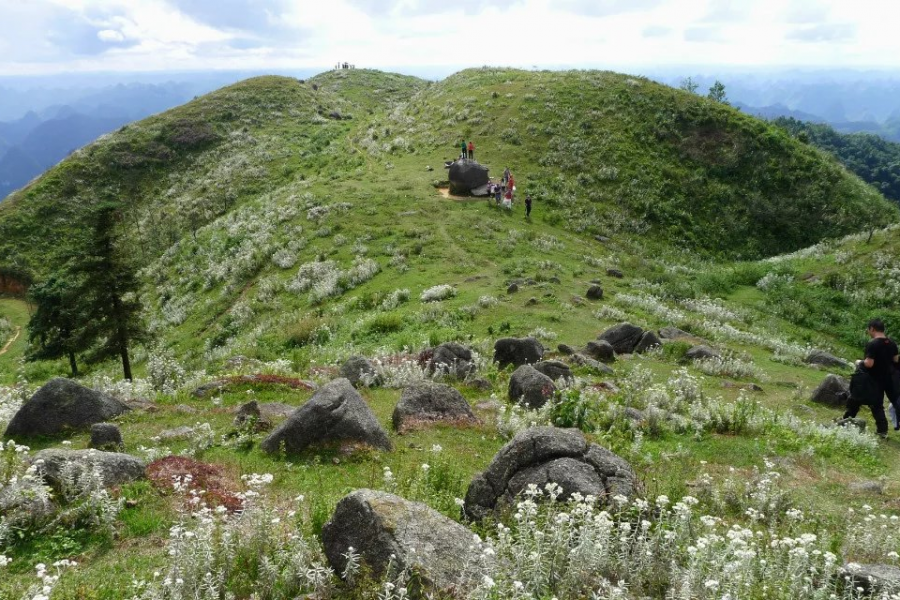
x,y
11,341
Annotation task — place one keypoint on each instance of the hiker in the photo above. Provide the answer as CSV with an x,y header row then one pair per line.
x,y
881,358
507,201
528,206
463,147
471,150
511,185
498,194
506,174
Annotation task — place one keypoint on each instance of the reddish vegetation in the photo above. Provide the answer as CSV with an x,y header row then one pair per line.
x,y
207,480
291,382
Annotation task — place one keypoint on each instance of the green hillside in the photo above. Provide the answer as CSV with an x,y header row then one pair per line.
x,y
283,226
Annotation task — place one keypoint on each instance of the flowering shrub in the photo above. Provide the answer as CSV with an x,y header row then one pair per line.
x,y
395,299
438,293
325,280
165,373
730,366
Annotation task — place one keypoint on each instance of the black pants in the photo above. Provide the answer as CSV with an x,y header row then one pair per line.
x,y
471,155
881,423
527,210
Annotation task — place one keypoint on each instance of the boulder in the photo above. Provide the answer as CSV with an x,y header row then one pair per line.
x,y
615,273
673,333
115,468
824,359
453,359
249,415
386,530
833,391
517,352
595,292
106,436
601,350
565,349
358,369
623,337
209,388
336,414
555,370
427,402
530,387
647,342
175,434
873,578
701,353
513,288
466,176
62,405
594,365
543,455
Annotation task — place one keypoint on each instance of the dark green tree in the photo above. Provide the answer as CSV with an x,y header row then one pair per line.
x,y
109,291
56,326
717,92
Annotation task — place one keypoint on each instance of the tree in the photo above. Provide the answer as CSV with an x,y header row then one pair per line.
x,y
56,326
689,85
108,292
717,92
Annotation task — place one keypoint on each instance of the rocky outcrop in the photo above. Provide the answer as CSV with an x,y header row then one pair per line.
x,y
358,370
597,367
555,370
601,350
701,353
873,578
530,387
62,405
543,455
466,176
453,359
384,529
336,414
115,468
833,391
623,337
427,402
647,342
517,352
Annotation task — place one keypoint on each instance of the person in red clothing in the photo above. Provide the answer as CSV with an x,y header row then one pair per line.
x,y
471,150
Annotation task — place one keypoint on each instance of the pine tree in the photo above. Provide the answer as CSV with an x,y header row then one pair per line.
x,y
56,326
109,292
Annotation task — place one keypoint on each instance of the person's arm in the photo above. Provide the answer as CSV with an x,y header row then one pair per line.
x,y
869,362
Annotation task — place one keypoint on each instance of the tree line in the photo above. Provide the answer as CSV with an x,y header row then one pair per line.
x,y
89,309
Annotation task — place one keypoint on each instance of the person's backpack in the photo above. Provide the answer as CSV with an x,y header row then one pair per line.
x,y
863,387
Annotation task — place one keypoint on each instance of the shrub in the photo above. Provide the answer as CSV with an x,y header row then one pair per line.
x,y
304,332
438,293
385,323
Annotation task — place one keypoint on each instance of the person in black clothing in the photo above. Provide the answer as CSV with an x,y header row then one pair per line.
x,y
527,206
881,358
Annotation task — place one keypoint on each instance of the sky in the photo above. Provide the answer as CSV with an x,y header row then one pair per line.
x,y
42,37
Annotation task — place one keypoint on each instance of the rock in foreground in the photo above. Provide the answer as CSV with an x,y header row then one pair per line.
x,y
336,414
517,352
382,527
833,391
62,405
428,402
542,455
115,468
466,176
530,387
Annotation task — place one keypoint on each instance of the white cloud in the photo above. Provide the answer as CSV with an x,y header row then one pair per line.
x,y
110,35
55,35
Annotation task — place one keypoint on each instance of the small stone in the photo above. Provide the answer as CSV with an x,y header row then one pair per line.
x,y
513,288
554,280
595,292
601,350
106,436
531,301
601,238
178,433
615,273
565,349
597,367
701,353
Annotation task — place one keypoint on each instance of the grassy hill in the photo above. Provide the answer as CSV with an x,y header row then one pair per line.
x,y
283,226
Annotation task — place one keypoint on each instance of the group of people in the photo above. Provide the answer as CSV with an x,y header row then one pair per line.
x,y
877,376
503,193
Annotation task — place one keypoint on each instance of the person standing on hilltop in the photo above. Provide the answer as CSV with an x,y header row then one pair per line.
x,y
881,358
463,147
506,175
471,150
527,206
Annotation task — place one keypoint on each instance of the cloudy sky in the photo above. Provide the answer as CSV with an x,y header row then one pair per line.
x,y
52,36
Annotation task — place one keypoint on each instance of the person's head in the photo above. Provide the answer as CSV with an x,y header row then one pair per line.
x,y
875,327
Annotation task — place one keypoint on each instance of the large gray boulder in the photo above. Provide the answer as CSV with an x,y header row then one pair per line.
x,y
543,455
115,468
358,369
388,531
62,405
336,414
824,359
555,370
601,350
623,337
466,176
873,578
596,366
453,359
833,391
647,342
517,352
530,387
673,333
427,402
